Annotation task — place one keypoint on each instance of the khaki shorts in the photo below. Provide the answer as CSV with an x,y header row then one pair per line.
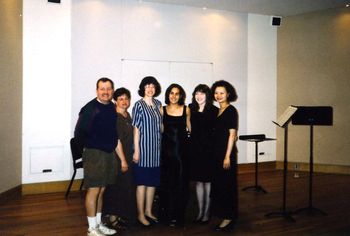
x,y
100,168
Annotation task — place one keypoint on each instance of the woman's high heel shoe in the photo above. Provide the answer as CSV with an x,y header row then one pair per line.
x,y
198,219
204,222
227,227
152,220
142,224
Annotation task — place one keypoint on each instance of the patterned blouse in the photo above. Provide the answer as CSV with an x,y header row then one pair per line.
x,y
148,120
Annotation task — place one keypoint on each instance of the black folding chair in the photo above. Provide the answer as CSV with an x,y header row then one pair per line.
x,y
76,155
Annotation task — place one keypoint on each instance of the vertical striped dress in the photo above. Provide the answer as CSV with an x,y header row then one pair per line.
x,y
148,120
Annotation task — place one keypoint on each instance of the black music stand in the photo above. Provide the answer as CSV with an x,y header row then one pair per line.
x,y
257,138
319,115
283,122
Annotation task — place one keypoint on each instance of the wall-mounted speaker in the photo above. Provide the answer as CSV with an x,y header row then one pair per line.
x,y
276,20
54,1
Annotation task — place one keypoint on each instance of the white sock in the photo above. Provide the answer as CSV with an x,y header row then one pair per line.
x,y
92,222
98,218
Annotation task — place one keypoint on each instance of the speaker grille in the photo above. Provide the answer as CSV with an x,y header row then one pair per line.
x,y
276,20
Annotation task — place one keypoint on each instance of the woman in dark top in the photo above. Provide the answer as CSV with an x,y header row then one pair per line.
x,y
174,181
120,200
203,115
224,193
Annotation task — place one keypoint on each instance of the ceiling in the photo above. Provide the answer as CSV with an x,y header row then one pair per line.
x,y
263,7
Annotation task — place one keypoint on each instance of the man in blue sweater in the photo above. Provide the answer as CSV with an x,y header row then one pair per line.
x,y
96,133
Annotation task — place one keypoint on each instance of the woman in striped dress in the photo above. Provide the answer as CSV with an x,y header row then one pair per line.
x,y
147,122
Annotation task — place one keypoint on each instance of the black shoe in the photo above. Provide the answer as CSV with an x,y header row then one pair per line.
x,y
123,221
142,224
176,223
227,227
118,223
120,226
204,222
172,223
152,220
198,220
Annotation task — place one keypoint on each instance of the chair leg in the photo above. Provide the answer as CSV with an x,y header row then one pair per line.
x,y
81,185
70,184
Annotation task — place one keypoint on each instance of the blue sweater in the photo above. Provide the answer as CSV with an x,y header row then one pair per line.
x,y
97,126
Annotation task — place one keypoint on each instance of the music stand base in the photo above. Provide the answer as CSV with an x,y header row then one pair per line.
x,y
285,214
310,210
256,188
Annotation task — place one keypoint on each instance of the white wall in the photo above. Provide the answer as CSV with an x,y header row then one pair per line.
x,y
173,43
261,87
46,90
125,41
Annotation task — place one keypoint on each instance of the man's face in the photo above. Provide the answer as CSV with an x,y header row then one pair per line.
x,y
104,92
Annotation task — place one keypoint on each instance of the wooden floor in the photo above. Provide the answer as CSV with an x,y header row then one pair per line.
x,y
52,214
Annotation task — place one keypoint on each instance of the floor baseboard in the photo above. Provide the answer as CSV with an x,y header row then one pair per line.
x,y
49,187
322,168
11,194
61,186
262,166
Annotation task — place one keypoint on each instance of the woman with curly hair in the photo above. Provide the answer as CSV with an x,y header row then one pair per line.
x,y
147,122
224,193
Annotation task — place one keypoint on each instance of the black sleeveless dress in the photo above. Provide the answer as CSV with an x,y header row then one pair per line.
x,y
173,191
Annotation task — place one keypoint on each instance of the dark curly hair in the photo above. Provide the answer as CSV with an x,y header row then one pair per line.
x,y
232,94
149,80
182,94
203,88
121,91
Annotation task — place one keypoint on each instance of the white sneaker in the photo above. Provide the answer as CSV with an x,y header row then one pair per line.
x,y
107,231
94,232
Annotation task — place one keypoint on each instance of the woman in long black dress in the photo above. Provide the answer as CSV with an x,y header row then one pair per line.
x,y
224,185
173,189
203,115
120,200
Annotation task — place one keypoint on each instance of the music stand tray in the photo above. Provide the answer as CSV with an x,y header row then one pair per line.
x,y
257,138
